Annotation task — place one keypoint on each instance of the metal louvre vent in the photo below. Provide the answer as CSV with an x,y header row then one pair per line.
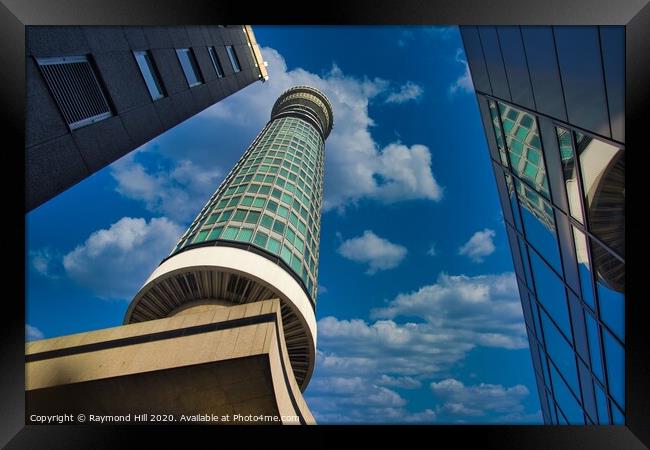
x,y
76,90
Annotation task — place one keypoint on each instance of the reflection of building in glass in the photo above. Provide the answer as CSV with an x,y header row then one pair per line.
x,y
551,100
226,324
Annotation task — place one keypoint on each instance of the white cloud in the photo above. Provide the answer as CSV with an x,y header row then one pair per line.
x,y
113,263
463,83
322,289
361,402
399,382
432,250
486,401
479,245
44,261
378,253
444,321
33,333
356,167
486,306
178,192
407,92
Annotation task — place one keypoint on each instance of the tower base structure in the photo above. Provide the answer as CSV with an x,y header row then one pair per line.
x,y
209,362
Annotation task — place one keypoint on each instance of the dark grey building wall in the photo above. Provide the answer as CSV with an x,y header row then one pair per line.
x,y
57,157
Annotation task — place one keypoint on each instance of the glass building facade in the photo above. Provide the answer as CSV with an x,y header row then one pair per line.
x,y
552,104
271,200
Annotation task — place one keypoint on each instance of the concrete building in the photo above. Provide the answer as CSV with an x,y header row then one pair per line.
x,y
552,104
226,324
96,93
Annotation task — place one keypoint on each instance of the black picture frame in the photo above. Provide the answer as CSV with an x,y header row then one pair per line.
x,y
16,14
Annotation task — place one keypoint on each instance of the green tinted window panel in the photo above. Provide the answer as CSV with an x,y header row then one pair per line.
x,y
299,244
286,254
287,198
296,265
212,219
272,206
239,215
259,202
264,189
260,239
201,236
533,155
245,235
252,217
283,212
215,233
225,215
278,227
290,235
247,201
230,233
521,133
516,147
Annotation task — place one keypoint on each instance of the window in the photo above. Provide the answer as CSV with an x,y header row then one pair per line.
x,y
190,67
524,147
615,362
539,224
551,293
560,352
215,61
76,89
233,58
569,172
150,74
602,167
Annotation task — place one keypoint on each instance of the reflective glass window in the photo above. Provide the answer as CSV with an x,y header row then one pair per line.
x,y
524,147
551,293
560,352
233,58
570,173
610,285
584,270
567,402
539,224
593,335
215,61
149,74
617,416
496,123
602,166
615,362
190,67
601,404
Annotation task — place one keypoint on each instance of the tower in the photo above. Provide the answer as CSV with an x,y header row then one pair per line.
x,y
258,235
226,324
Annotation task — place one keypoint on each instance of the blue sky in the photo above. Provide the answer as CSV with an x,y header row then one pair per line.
x,y
419,315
